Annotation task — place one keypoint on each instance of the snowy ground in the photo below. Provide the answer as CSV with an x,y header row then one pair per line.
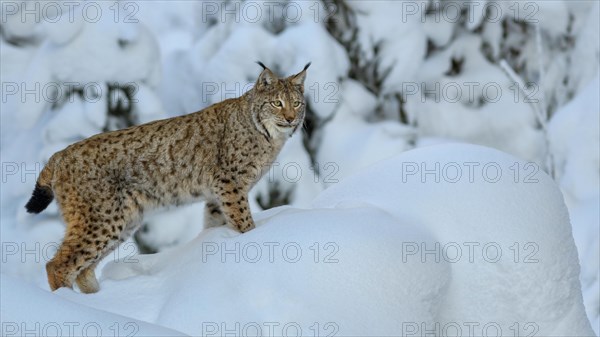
x,y
394,225
400,248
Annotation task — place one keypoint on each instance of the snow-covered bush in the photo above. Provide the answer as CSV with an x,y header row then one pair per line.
x,y
386,77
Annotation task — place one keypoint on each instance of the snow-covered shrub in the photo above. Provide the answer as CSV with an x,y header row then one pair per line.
x,y
386,77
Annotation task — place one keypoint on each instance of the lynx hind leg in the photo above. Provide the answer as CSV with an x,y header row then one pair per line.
x,y
86,280
73,256
213,215
90,236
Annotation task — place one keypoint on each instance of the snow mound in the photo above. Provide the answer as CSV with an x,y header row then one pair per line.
x,y
386,252
31,311
500,222
574,133
291,272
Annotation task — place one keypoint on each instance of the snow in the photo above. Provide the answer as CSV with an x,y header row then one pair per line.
x,y
481,105
552,16
438,31
477,13
13,23
293,173
68,125
575,141
272,269
359,251
408,35
28,310
37,75
349,144
148,107
94,110
61,29
352,157
472,208
574,145
587,47
310,42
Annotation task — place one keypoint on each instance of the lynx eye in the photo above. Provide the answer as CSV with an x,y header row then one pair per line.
x,y
276,104
297,104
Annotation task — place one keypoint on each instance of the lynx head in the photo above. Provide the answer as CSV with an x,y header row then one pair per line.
x,y
278,103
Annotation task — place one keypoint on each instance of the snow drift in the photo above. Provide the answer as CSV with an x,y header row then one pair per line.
x,y
452,239
506,231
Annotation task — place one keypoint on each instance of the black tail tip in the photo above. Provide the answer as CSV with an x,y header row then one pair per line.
x,y
261,64
40,199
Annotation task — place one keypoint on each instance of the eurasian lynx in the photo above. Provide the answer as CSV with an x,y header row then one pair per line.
x,y
103,184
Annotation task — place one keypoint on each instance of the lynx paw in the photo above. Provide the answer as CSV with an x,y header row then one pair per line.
x,y
87,282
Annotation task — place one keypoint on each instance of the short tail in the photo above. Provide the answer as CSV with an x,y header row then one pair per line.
x,y
42,195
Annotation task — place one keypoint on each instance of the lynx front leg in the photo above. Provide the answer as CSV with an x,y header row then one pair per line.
x,y
234,205
213,215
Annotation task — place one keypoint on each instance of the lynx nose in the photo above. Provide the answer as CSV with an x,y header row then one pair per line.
x,y
289,118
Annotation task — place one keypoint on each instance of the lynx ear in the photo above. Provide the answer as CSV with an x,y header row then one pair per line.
x,y
266,77
298,79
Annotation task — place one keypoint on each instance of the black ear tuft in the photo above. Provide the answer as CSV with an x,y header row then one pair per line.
x,y
266,77
299,78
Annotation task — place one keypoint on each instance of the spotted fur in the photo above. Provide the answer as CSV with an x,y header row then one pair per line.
x,y
104,184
